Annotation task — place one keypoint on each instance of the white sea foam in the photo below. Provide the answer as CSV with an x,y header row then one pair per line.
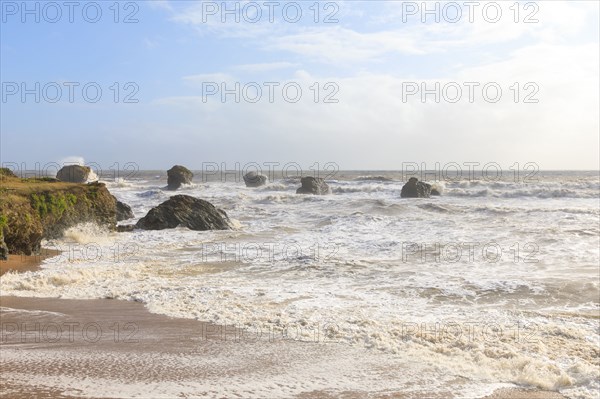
x,y
119,182
86,233
72,160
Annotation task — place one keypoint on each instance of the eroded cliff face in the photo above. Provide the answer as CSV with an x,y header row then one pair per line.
x,y
34,209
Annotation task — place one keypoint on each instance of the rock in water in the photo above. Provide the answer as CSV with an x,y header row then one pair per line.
x,y
74,174
253,179
178,175
183,210
313,185
124,211
415,189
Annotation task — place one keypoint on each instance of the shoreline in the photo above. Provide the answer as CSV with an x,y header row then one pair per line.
x,y
65,344
79,348
26,263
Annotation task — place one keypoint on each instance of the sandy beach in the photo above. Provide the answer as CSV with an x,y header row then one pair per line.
x,y
62,348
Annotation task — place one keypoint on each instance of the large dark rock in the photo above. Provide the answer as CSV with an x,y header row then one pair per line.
x,y
415,189
124,211
183,210
253,179
178,175
313,185
74,174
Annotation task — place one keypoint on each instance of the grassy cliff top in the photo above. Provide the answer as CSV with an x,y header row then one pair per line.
x,y
15,189
36,208
27,186
13,185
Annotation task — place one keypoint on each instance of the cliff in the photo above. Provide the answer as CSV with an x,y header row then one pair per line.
x,y
34,209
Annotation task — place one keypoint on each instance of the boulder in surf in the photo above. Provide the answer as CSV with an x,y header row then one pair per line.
x,y
74,174
313,185
178,175
253,179
185,211
415,189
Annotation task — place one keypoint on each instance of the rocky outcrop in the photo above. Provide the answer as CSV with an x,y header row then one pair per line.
x,y
186,211
313,185
36,209
253,179
178,175
124,211
74,174
415,189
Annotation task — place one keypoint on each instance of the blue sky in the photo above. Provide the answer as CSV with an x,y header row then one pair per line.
x,y
369,54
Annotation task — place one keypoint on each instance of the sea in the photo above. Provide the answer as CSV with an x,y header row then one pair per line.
x,y
493,283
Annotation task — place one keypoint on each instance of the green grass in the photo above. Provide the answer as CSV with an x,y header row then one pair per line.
x,y
52,204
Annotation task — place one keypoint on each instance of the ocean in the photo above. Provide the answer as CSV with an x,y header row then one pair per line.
x,y
495,282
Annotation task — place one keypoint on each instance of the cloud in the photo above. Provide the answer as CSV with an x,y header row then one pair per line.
x,y
160,4
386,34
337,44
221,24
372,118
264,67
150,44
372,127
181,101
218,77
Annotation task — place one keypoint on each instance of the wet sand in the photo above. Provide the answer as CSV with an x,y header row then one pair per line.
x,y
63,348
24,263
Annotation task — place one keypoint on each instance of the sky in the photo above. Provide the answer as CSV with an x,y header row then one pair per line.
x,y
366,85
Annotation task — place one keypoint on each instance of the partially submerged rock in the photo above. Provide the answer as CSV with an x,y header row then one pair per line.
x,y
253,179
415,189
74,174
313,185
186,211
178,175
